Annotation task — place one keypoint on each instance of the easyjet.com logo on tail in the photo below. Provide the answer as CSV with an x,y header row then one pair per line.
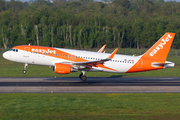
x,y
160,46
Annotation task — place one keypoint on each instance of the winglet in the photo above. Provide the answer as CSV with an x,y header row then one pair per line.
x,y
113,53
101,50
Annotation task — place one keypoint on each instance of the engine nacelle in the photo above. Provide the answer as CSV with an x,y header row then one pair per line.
x,y
60,68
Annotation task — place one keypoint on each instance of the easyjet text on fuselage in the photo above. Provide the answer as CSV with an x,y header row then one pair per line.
x,y
43,51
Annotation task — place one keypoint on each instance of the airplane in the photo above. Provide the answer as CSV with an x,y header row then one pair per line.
x,y
65,61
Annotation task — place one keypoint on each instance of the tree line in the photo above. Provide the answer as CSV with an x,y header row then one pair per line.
x,y
84,24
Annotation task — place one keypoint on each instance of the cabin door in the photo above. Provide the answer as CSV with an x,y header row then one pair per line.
x,y
139,64
26,51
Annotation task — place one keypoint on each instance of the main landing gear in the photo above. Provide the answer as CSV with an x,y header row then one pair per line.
x,y
82,76
25,66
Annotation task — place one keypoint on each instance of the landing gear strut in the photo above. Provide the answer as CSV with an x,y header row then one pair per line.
x,y
82,76
25,66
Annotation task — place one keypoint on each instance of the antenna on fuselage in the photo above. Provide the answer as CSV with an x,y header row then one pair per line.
x,y
29,44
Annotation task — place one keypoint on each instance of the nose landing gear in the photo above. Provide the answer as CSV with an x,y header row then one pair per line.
x,y
25,66
82,76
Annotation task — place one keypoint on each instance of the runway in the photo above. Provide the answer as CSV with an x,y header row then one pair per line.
x,y
92,85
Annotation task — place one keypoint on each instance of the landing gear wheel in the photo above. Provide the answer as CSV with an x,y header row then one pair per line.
x,y
25,66
83,78
24,71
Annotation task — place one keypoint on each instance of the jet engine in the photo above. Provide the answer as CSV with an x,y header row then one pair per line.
x,y
60,68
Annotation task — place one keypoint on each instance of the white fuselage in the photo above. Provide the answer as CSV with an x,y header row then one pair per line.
x,y
119,63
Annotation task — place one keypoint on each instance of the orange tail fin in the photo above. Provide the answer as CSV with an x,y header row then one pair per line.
x,y
161,48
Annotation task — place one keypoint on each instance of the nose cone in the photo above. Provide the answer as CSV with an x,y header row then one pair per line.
x,y
5,55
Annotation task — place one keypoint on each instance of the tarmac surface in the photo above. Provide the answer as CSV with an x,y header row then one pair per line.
x,y
92,85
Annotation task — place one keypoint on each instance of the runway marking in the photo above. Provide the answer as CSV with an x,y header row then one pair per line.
x,y
92,85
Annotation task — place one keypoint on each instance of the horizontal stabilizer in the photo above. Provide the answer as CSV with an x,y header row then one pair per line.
x,y
167,64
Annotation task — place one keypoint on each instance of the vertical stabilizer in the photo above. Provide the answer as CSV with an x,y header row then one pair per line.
x,y
161,48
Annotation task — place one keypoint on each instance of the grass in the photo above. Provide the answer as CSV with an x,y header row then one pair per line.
x,y
90,106
126,106
11,69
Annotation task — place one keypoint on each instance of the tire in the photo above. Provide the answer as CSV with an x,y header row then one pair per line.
x,y
83,78
24,71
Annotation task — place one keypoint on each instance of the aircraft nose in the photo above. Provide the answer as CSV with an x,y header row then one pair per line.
x,y
5,55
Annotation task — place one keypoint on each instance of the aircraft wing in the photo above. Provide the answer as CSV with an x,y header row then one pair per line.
x,y
101,50
94,63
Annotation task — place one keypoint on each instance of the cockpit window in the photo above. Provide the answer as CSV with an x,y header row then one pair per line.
x,y
15,50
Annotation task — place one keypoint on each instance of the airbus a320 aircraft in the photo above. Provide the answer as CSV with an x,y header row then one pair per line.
x,y
65,61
